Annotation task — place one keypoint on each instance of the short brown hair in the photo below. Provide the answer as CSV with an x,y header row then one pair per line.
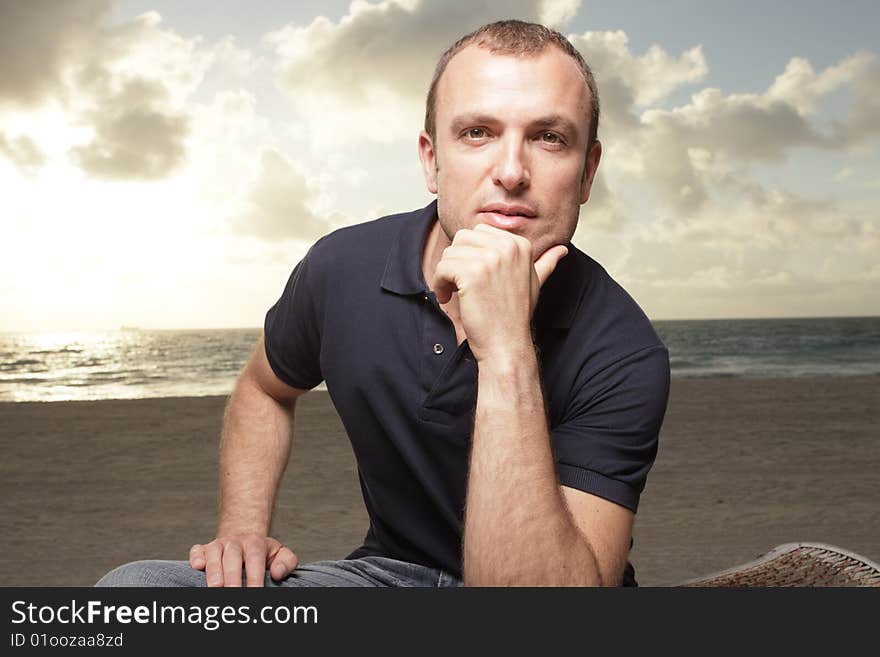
x,y
512,37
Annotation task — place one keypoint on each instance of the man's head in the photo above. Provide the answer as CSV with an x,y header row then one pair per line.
x,y
519,39
510,129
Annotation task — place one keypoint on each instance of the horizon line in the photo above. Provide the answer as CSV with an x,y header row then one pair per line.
x,y
125,327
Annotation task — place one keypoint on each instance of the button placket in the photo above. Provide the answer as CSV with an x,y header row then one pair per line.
x,y
448,373
437,337
439,325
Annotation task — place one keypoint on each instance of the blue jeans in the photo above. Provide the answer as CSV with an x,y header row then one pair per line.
x,y
366,571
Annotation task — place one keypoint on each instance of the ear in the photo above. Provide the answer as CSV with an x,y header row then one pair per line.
x,y
428,158
590,167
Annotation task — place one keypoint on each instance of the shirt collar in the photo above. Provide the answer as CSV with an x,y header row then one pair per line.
x,y
403,268
559,297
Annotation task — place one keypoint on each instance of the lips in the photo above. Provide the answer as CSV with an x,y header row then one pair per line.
x,y
507,216
510,210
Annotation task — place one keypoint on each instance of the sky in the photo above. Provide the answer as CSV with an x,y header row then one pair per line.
x,y
166,164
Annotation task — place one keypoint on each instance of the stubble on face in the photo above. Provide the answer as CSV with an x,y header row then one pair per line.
x,y
517,93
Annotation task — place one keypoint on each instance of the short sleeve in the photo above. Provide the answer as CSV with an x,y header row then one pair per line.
x,y
292,332
607,442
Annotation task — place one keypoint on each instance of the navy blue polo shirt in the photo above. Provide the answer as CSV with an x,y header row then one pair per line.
x,y
356,313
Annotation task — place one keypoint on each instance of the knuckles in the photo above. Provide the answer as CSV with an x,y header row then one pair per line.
x,y
492,259
524,246
243,543
253,542
504,249
509,248
482,268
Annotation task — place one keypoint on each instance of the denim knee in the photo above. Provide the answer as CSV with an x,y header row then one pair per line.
x,y
153,573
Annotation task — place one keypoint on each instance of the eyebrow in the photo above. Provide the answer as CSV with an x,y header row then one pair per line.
x,y
556,121
463,121
559,122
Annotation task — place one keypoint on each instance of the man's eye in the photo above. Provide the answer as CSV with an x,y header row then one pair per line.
x,y
551,138
475,133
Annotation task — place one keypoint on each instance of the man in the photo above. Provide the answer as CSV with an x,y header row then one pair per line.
x,y
502,394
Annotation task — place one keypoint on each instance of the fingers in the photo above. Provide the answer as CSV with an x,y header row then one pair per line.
x,y
232,560
491,249
223,560
547,262
488,236
462,252
214,563
197,556
443,287
544,265
446,276
507,244
255,560
282,563
486,228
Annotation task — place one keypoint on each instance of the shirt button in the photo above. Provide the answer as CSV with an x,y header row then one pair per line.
x,y
438,348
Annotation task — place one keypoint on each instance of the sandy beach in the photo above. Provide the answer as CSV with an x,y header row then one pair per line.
x,y
744,465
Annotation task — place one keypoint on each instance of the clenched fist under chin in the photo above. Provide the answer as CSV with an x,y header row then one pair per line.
x,y
497,284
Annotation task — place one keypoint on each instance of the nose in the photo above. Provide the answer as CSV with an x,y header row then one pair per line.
x,y
511,169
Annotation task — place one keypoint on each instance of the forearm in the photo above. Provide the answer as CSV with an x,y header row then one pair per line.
x,y
518,530
254,449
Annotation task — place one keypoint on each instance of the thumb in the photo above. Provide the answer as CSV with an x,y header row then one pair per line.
x,y
545,265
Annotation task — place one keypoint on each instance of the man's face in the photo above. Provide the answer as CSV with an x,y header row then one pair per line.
x,y
510,146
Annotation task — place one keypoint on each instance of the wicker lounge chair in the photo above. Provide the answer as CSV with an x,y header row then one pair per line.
x,y
798,564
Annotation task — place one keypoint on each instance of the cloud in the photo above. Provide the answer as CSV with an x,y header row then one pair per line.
x,y
740,126
338,78
134,95
604,211
23,152
125,89
557,13
643,79
676,205
279,203
385,52
372,40
863,121
773,221
686,154
39,39
373,67
801,87
133,137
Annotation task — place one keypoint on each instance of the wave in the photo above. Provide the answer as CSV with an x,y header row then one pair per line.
x,y
21,362
63,350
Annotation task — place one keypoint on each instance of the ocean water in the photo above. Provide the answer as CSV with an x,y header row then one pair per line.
x,y
132,363
772,348
124,364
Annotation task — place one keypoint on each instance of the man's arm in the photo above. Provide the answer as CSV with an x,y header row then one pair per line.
x,y
521,527
254,450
